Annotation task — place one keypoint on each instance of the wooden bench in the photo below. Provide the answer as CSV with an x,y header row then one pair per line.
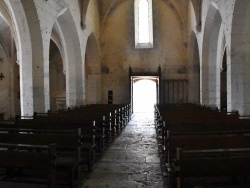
x,y
22,156
193,127
201,142
211,163
71,151
113,116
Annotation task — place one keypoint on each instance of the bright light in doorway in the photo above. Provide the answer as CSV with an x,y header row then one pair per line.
x,y
144,96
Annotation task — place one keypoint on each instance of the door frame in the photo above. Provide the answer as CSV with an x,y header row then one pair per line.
x,y
145,75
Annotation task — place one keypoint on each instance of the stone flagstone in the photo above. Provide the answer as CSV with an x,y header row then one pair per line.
x,y
132,161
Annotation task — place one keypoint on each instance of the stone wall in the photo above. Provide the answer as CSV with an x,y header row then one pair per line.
x,y
118,52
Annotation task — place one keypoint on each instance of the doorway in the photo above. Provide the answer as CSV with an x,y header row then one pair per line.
x,y
144,93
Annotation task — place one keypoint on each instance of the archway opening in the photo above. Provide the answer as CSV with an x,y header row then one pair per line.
x,y
57,79
210,51
144,94
194,71
92,72
223,83
9,68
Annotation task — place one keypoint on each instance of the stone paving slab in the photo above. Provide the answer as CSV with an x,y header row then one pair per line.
x,y
128,168
132,160
20,185
109,176
123,151
122,184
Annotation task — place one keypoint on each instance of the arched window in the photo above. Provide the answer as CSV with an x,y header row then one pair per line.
x,y
143,24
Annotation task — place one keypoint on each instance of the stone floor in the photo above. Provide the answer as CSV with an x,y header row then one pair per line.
x,y
132,160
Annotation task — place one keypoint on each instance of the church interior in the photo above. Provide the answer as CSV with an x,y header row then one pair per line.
x,y
143,93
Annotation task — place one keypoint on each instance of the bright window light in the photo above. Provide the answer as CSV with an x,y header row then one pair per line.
x,y
143,21
143,24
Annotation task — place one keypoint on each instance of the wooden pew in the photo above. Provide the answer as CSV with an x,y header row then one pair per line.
x,y
98,124
109,115
211,163
24,156
191,128
113,115
123,111
71,151
97,135
198,119
62,122
201,142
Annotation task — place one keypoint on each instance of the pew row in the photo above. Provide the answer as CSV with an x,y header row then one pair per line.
x,y
16,157
71,153
211,163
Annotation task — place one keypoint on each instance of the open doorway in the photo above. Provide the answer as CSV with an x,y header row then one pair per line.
x,y
144,93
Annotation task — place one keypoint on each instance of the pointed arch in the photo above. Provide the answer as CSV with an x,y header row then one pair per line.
x,y
93,71
72,59
194,70
210,53
84,4
57,80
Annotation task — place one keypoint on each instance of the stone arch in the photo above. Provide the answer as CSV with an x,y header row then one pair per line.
x,y
56,38
84,7
192,15
93,71
210,53
24,57
194,70
197,9
57,78
193,5
7,17
240,56
72,59
40,78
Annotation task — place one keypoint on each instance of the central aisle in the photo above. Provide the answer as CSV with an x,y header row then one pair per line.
x,y
132,160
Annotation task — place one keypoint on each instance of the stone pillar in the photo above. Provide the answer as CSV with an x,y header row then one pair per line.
x,y
24,57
